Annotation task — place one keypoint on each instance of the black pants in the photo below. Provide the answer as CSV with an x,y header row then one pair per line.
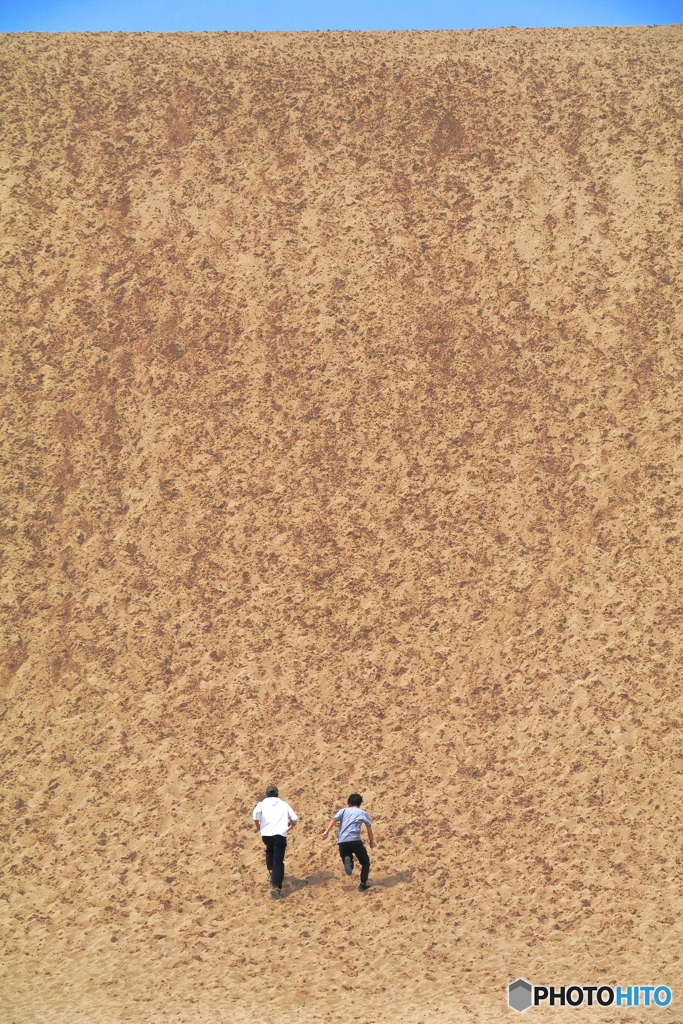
x,y
275,857
357,849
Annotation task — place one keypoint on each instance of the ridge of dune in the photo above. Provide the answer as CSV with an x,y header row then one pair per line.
x,y
341,450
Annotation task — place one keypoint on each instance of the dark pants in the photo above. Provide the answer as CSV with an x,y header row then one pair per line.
x,y
357,849
275,857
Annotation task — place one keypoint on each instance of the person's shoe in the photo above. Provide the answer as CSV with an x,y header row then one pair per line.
x,y
348,866
276,894
362,887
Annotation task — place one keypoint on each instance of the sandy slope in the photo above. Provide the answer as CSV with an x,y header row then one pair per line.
x,y
342,434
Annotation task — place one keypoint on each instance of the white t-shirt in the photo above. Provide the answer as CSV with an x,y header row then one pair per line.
x,y
273,814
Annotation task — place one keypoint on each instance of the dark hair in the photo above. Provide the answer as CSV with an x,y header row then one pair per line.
x,y
272,791
355,800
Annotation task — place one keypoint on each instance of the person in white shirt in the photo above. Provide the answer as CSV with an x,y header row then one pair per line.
x,y
273,818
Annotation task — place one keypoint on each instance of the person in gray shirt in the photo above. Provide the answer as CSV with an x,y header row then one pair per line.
x,y
350,820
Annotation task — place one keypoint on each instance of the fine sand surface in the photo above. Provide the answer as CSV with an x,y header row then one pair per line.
x,y
342,414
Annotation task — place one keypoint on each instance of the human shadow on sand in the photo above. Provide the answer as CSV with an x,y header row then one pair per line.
x,y
391,880
292,884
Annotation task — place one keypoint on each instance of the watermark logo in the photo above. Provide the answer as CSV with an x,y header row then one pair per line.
x,y
522,994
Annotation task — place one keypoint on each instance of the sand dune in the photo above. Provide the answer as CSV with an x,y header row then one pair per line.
x,y
341,409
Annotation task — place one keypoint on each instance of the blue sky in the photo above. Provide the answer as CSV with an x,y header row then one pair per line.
x,y
309,15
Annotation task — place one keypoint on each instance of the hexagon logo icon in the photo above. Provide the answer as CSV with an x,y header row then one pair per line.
x,y
519,995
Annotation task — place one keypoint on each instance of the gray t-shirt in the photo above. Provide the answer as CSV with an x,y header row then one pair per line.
x,y
350,820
